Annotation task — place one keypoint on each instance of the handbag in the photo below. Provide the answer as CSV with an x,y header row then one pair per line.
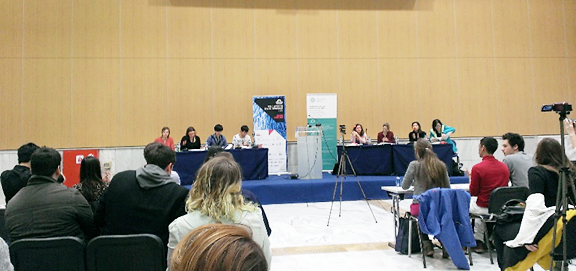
x,y
402,237
511,211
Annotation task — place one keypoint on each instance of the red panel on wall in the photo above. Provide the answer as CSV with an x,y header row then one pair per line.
x,y
71,165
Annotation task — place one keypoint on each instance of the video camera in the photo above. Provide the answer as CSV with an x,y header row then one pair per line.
x,y
343,128
563,108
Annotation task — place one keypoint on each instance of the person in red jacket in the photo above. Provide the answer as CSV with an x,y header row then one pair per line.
x,y
485,177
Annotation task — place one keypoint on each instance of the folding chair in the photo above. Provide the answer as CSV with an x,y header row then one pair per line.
x,y
441,198
140,252
48,254
498,198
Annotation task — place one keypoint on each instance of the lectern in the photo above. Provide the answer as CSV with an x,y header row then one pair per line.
x,y
309,140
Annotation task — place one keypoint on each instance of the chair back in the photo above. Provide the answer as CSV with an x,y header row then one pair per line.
x,y
126,252
501,195
48,254
3,230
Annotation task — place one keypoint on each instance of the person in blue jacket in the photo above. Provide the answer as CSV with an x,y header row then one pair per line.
x,y
442,133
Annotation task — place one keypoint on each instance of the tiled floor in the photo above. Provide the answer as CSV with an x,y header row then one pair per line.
x,y
301,239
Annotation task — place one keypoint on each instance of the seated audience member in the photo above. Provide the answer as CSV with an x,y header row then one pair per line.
x,y
416,133
516,159
215,198
485,177
45,208
426,172
248,195
165,138
216,247
13,180
358,136
544,184
91,184
217,139
190,141
145,200
442,133
5,263
386,135
242,139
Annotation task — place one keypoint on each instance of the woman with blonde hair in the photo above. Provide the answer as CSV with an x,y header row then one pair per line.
x,y
216,197
426,172
218,247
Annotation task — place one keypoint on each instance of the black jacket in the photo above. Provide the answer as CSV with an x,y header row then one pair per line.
x,y
128,208
13,180
45,208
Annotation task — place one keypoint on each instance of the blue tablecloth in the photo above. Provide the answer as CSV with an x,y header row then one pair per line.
x,y
389,159
254,163
369,159
404,154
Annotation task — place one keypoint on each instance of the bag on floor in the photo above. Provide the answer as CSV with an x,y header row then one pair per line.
x,y
402,237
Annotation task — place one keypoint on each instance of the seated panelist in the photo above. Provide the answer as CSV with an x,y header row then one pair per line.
x,y
242,139
190,141
386,135
358,136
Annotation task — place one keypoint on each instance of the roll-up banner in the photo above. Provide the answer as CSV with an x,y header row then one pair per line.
x,y
321,108
269,114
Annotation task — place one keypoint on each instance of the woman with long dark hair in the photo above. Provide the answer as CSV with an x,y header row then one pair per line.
x,y
417,132
190,141
358,136
91,184
426,172
441,133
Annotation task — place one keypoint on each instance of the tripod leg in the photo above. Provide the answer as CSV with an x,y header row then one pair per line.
x,y
361,189
341,165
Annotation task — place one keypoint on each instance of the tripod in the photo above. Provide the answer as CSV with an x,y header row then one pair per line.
x,y
341,176
564,184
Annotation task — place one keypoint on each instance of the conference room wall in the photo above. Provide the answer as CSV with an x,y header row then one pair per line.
x,y
111,73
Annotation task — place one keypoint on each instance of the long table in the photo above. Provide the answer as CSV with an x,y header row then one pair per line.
x,y
389,159
254,163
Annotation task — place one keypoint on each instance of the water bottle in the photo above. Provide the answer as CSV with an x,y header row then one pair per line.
x,y
396,140
369,141
398,181
341,141
177,147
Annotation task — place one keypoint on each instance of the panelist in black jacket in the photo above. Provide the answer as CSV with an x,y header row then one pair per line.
x,y
190,141
416,133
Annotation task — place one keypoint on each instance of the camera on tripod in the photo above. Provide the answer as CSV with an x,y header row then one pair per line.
x,y
563,108
343,128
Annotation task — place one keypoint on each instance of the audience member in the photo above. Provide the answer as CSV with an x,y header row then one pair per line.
x,y
426,172
442,133
190,141
516,159
13,180
248,195
358,136
416,133
386,135
145,200
217,139
543,179
5,263
165,138
218,247
91,184
215,198
45,208
242,139
485,177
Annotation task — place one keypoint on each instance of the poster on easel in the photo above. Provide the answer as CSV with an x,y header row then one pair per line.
x,y
322,111
269,115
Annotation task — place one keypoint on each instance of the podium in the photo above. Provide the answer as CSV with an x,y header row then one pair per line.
x,y
309,145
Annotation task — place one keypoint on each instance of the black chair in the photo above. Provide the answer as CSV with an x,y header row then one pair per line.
x,y
47,254
126,252
498,198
